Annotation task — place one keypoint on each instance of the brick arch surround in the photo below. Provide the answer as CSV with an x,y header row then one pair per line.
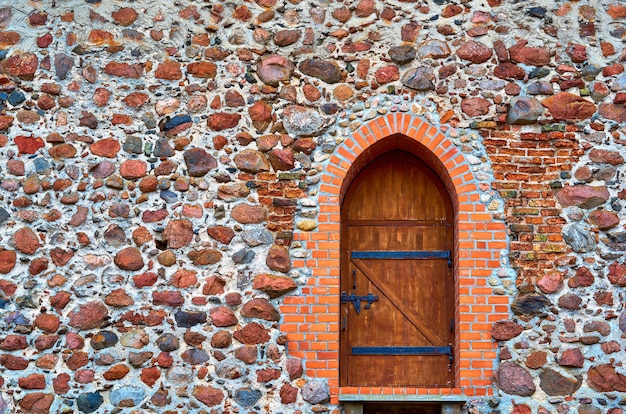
x,y
311,319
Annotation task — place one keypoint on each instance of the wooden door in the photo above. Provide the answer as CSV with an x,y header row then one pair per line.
x,y
397,304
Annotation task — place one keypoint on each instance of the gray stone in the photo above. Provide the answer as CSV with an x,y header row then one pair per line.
x,y
133,145
243,256
524,110
162,148
530,304
126,396
62,65
247,396
187,319
402,54
89,402
433,49
579,237
316,392
515,380
168,342
228,370
619,84
420,79
3,215
257,237
301,120
178,375
325,70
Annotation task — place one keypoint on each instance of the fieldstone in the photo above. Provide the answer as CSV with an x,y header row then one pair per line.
x,y
13,343
203,69
294,368
232,192
37,403
178,233
221,339
402,54
205,257
553,383
274,69
530,304
116,372
617,274
257,237
601,327
195,356
316,392
603,378
26,240
505,330
124,16
572,357
300,120
251,161
129,258
118,298
247,354
28,145
133,169
615,112
199,162
523,110
550,282
222,234
474,51
261,115
421,78
214,286
475,107
278,259
104,339
7,261
208,395
435,49
325,70
260,308
248,214
287,37
47,322
124,70
168,70
187,319
582,278
274,285
247,397
387,74
89,402
223,316
288,394
604,220
267,375
583,196
13,362
252,334
570,301
88,316
107,147
127,396
282,159
535,56
222,120
168,298
515,380
579,237
566,106
606,156
537,359
21,65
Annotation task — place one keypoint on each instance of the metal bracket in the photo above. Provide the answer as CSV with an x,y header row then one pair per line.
x,y
356,300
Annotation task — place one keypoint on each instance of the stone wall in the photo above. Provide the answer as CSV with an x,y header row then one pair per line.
x,y
161,164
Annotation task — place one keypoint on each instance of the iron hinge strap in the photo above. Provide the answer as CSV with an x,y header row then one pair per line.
x,y
403,254
402,350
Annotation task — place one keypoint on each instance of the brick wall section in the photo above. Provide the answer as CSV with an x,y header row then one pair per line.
x,y
311,320
528,168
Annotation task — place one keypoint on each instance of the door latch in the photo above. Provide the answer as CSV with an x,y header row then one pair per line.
x,y
356,300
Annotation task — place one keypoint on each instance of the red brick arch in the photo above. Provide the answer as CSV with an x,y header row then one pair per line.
x,y
311,319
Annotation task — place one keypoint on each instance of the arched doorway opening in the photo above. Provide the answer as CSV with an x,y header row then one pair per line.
x,y
397,279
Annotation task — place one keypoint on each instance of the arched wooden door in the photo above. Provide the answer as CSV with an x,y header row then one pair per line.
x,y
397,290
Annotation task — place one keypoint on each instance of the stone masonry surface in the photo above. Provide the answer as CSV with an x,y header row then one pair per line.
x,y
161,169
